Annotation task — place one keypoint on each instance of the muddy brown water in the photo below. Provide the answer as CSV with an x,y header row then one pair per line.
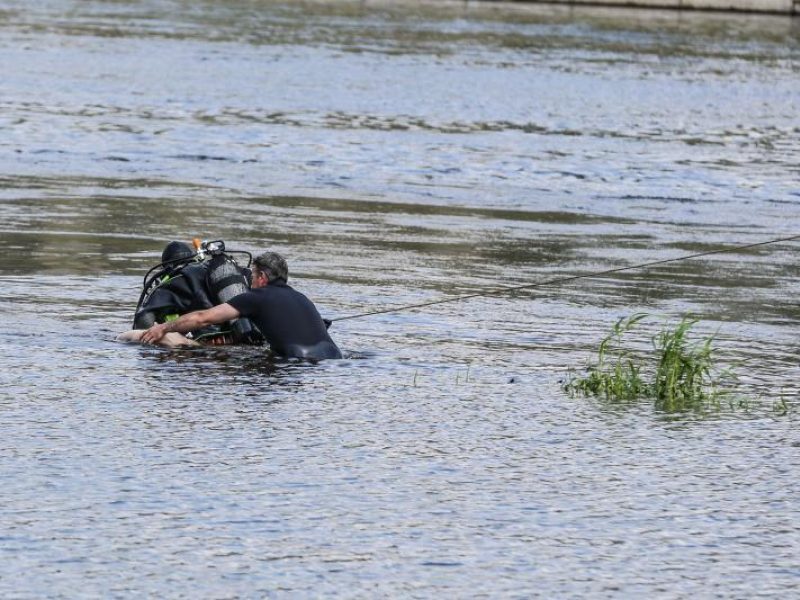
x,y
395,153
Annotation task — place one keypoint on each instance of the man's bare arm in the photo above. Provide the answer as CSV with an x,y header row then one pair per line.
x,y
190,322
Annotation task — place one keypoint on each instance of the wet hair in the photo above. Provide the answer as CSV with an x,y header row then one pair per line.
x,y
175,251
273,265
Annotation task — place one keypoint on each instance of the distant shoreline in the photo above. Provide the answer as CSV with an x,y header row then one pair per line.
x,y
786,7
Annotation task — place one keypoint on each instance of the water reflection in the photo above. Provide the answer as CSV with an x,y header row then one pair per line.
x,y
252,367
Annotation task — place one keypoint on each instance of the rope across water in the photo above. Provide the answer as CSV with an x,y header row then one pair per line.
x,y
563,280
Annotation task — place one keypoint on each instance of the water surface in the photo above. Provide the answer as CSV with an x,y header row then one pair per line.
x,y
395,153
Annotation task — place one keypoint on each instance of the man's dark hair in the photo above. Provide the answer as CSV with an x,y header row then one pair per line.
x,y
273,265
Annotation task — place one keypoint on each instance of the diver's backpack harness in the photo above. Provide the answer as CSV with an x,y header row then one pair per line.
x,y
201,280
159,275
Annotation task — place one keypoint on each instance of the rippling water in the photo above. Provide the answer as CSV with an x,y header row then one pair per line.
x,y
395,153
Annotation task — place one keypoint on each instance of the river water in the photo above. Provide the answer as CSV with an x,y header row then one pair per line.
x,y
396,153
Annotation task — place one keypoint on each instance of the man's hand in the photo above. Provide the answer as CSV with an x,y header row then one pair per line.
x,y
190,322
155,334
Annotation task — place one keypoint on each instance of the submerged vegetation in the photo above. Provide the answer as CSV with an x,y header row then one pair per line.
x,y
679,375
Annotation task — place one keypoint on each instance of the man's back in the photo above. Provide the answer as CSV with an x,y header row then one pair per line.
x,y
288,320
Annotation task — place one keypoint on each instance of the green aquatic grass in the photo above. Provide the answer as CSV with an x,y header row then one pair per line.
x,y
780,407
686,374
680,374
617,374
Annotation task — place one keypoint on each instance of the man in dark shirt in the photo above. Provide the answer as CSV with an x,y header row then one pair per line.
x,y
288,320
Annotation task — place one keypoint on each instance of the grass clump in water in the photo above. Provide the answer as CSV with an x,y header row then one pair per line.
x,y
615,376
680,375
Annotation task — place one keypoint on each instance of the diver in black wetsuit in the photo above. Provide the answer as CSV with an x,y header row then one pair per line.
x,y
177,287
287,319
187,280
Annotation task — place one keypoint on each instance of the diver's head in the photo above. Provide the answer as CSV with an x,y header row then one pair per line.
x,y
175,251
268,267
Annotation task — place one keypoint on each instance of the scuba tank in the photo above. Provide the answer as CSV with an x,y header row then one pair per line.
x,y
225,281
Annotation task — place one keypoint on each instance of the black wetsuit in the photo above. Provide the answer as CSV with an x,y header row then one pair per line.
x,y
288,320
181,290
